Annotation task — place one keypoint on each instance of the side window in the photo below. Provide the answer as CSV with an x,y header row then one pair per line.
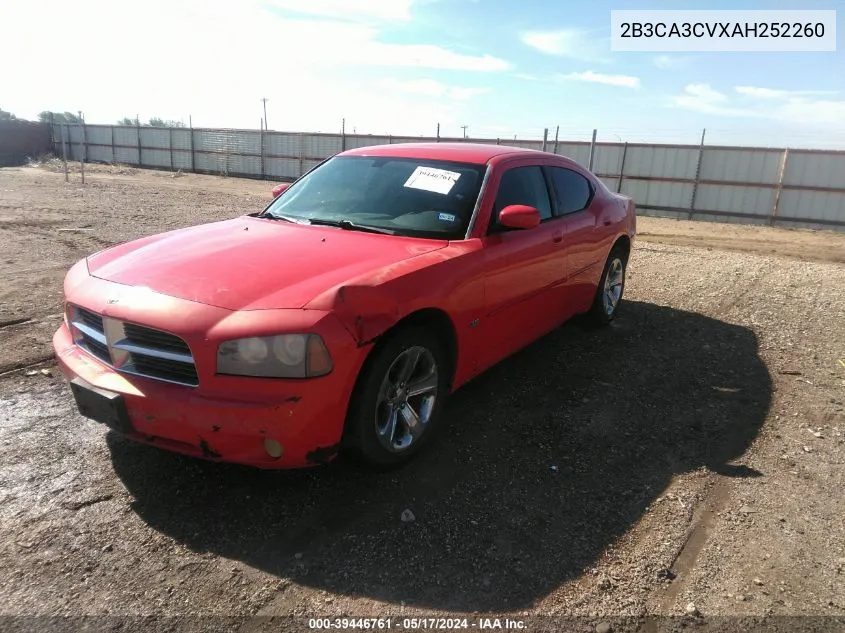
x,y
523,185
572,190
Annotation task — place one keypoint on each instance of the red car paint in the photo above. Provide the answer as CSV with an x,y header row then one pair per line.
x,y
251,277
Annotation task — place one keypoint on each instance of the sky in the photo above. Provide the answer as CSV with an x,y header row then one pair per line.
x,y
503,68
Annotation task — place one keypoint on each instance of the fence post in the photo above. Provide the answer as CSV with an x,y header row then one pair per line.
x,y
697,174
438,132
557,131
343,136
84,142
545,138
113,155
261,141
171,148
622,168
301,153
779,189
138,131
64,150
193,160
592,150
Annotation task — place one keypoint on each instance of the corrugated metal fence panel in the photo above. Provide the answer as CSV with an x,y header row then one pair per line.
x,y
740,165
578,152
98,134
125,135
812,205
308,165
282,167
658,194
126,155
756,200
182,139
321,146
366,141
156,157
607,159
215,163
661,162
610,183
282,144
182,160
228,141
523,144
100,153
155,138
706,217
815,170
411,139
74,133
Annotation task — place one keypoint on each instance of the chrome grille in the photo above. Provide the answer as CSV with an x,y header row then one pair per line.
x,y
134,349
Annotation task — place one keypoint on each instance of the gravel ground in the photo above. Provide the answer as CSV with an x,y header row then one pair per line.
x,y
686,461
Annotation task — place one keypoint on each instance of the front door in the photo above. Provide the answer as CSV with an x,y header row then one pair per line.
x,y
521,268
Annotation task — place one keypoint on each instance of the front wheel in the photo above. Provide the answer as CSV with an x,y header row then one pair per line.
x,y
611,286
398,398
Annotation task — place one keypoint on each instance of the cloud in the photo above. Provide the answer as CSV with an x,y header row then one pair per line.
x,y
572,43
349,9
670,62
787,106
702,98
430,88
241,51
769,93
622,81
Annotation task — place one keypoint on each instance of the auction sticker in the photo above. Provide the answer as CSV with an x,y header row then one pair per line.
x,y
433,179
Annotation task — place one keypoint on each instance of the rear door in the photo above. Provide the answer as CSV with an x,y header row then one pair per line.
x,y
521,267
577,206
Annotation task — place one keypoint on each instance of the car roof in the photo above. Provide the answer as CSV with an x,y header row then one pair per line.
x,y
479,153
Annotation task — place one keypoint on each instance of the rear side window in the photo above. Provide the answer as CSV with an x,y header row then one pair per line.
x,y
572,190
524,185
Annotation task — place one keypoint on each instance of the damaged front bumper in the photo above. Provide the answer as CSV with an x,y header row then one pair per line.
x,y
260,422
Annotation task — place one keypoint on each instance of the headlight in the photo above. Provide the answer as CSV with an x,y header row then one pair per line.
x,y
284,356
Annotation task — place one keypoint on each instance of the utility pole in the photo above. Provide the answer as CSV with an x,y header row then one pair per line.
x,y
264,101
464,128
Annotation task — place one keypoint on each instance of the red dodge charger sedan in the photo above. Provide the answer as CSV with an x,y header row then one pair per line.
x,y
342,315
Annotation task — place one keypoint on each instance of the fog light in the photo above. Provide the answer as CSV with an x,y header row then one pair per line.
x,y
273,448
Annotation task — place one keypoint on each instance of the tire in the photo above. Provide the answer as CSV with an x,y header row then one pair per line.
x,y
610,289
387,424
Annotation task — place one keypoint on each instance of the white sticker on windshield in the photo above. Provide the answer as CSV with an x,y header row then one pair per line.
x,y
446,217
432,179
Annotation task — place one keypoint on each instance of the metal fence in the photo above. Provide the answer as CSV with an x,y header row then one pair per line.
x,y
22,139
798,188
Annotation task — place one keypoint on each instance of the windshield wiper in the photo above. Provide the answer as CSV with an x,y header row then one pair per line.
x,y
349,225
284,218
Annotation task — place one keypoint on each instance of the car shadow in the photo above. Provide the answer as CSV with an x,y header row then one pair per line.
x,y
545,460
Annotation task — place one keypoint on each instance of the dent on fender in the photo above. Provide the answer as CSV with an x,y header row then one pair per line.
x,y
365,311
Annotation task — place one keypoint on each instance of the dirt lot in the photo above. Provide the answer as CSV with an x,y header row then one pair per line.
x,y
685,462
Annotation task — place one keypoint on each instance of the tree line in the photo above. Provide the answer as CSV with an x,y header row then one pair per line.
x,y
74,119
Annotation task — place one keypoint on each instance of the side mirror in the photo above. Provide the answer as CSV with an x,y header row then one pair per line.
x,y
279,189
519,216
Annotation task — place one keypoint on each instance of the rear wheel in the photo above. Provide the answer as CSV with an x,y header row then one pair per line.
x,y
398,398
611,286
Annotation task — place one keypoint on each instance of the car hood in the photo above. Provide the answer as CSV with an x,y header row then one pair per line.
x,y
252,264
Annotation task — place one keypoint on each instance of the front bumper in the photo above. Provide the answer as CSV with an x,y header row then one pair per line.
x,y
231,422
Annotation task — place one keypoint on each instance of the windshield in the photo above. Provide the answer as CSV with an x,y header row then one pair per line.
x,y
404,196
